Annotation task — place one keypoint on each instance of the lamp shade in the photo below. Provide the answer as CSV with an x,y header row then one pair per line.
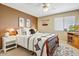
x,y
12,31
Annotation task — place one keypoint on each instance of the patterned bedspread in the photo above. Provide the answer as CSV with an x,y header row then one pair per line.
x,y
37,42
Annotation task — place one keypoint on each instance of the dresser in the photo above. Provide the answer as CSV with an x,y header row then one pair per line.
x,y
73,39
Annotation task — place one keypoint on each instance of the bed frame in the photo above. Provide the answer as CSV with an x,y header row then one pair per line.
x,y
51,45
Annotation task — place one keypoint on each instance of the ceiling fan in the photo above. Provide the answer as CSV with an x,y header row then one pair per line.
x,y
45,6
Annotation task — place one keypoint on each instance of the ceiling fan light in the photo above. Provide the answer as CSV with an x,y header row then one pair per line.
x,y
48,4
45,9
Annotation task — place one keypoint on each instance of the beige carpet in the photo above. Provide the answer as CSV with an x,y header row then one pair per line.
x,y
17,52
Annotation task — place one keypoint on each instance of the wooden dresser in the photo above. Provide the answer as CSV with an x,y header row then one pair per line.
x,y
73,39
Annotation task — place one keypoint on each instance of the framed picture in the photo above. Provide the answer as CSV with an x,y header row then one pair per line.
x,y
21,22
28,23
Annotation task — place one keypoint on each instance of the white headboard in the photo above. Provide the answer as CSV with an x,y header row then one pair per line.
x,y
23,31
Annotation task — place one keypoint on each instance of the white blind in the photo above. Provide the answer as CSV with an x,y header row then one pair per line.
x,y
62,23
58,24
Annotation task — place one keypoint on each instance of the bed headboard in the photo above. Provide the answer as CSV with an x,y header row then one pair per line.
x,y
23,31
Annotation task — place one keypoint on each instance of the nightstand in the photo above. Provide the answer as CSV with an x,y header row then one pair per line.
x,y
9,42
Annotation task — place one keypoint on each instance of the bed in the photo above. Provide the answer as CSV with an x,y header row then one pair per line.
x,y
43,44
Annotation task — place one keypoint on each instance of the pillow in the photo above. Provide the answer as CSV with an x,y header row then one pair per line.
x,y
32,31
27,31
23,31
19,31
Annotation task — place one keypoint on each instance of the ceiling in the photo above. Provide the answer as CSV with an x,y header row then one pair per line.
x,y
35,9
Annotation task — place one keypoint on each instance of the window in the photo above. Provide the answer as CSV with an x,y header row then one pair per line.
x,y
68,21
62,23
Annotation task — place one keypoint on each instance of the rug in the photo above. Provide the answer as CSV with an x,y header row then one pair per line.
x,y
64,50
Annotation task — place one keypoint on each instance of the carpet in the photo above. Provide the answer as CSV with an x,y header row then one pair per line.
x,y
16,52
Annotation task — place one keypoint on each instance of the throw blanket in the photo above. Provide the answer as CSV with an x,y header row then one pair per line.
x,y
37,41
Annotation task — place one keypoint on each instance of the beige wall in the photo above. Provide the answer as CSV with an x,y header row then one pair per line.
x,y
50,27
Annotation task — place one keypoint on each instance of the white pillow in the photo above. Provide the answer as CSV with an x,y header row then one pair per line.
x,y
19,31
24,31
27,31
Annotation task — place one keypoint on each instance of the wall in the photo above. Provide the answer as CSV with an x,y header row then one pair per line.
x,y
9,19
50,27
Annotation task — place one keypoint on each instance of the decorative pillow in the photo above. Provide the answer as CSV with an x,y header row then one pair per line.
x,y
32,31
